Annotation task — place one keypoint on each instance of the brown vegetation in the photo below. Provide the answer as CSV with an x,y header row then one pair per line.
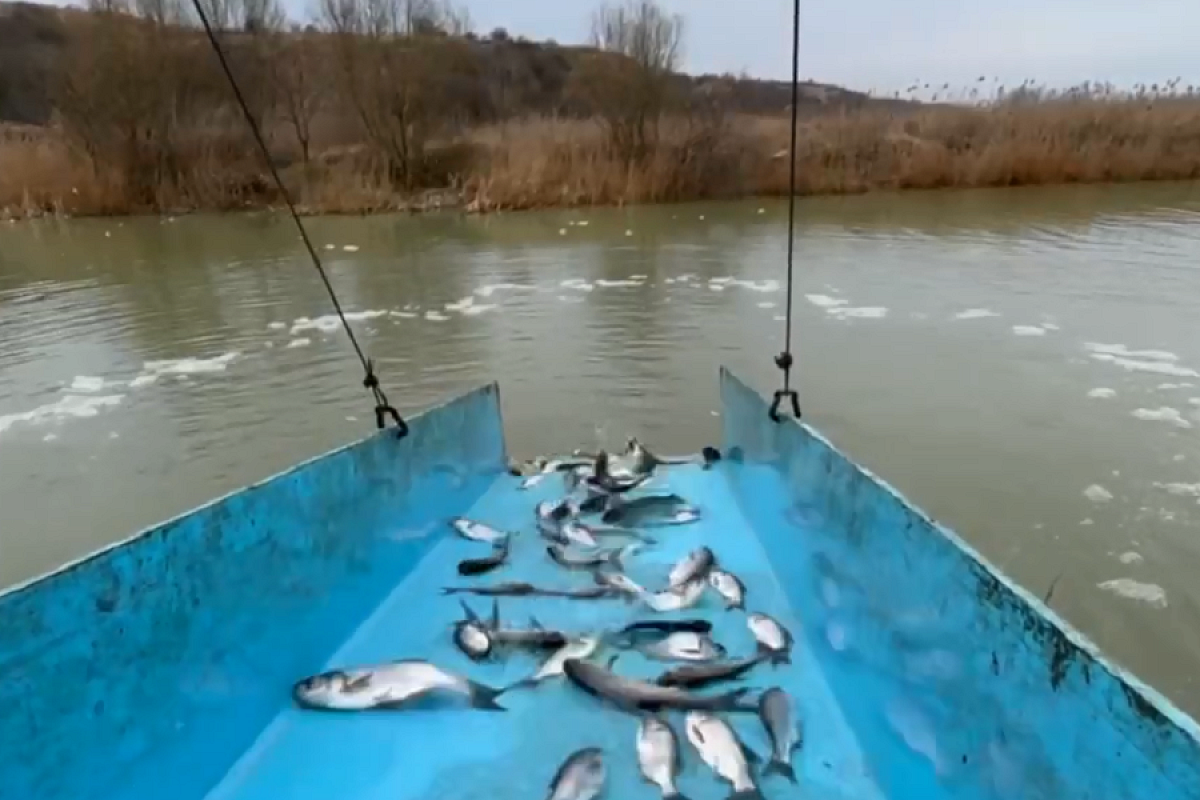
x,y
385,104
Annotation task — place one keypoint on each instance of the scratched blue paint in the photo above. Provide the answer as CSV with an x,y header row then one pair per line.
x,y
957,682
161,668
145,670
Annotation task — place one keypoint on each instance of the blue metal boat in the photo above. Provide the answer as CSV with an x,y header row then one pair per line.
x,y
162,667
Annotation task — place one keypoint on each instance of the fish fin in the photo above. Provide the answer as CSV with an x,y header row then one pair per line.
x,y
781,657
495,613
361,682
484,697
777,767
612,661
732,701
471,615
752,758
533,623
711,456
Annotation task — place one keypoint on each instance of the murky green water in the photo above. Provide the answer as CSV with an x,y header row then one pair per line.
x,y
1024,364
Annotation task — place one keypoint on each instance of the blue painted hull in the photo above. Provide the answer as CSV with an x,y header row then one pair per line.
x,y
162,667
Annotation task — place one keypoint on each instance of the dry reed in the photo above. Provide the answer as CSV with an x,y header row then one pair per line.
x,y
550,162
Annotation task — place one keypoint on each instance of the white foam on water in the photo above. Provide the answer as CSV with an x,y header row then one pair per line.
x,y
300,342
404,314
638,277
1163,414
1050,326
330,322
1101,393
628,232
1166,386
435,316
717,287
866,312
66,407
766,305
189,366
1087,521
1097,493
975,313
1179,457
49,437
779,318
350,248
824,300
330,247
1150,593
577,283
762,211
86,383
765,286
1124,352
487,290
583,223
145,379
562,231
468,307
1156,367
1028,330
1131,557
276,326
564,298
721,280
610,284
1195,401
1180,489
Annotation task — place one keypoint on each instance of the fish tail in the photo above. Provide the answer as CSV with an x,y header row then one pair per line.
x,y
747,794
484,697
732,701
780,767
781,657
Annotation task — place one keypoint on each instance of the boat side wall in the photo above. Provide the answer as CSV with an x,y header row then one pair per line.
x,y
146,669
956,680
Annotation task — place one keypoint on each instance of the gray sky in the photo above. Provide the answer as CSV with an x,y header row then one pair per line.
x,y
886,44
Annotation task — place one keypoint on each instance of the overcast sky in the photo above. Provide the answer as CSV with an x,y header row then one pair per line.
x,y
886,44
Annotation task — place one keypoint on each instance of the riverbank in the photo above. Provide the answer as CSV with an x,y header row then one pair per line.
x,y
545,162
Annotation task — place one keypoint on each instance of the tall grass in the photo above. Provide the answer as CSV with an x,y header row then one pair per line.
x,y
547,162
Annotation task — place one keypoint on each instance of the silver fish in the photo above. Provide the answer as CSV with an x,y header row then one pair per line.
x,y
658,756
773,639
578,533
581,776
693,676
619,582
552,667
477,531
719,746
729,586
614,556
629,694
693,566
684,646
389,685
473,639
775,711
478,566
685,596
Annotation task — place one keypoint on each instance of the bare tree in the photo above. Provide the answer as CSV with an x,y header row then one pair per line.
x,y
630,83
302,85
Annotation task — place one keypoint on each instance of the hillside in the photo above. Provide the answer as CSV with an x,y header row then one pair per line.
x,y
515,76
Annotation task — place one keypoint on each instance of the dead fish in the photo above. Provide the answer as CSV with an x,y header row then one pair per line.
x,y
552,467
473,636
634,695
535,637
774,640
478,566
612,557
775,711
552,667
518,589
618,582
729,586
684,646
581,776
694,676
651,510
685,596
661,627
477,531
605,481
658,756
695,565
719,746
389,686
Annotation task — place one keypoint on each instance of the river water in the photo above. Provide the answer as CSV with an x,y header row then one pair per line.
x,y
1024,364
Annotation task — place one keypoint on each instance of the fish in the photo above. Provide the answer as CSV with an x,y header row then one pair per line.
x,y
552,667
719,746
477,531
614,556
391,686
551,467
535,637
695,565
519,589
775,711
670,509
729,586
581,776
773,639
662,627
618,582
658,756
685,596
478,566
602,479
694,676
473,639
629,694
684,646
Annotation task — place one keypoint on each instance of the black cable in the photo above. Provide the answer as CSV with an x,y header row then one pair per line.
x,y
383,409
784,360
